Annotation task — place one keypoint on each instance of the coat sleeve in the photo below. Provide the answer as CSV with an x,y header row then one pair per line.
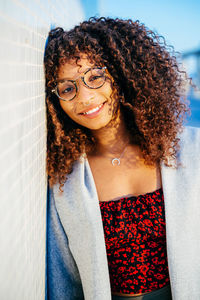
x,y
62,276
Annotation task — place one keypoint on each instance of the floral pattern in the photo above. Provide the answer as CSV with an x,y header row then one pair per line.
x,y
135,236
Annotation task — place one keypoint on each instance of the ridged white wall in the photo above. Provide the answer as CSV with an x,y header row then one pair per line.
x,y
24,27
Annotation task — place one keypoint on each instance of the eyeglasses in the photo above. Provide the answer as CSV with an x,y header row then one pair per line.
x,y
93,78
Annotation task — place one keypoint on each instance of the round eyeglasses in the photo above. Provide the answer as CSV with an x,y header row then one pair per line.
x,y
93,78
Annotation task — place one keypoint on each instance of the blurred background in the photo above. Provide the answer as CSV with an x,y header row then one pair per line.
x,y
177,21
24,28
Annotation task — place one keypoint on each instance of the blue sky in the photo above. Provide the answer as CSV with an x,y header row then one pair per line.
x,y
178,21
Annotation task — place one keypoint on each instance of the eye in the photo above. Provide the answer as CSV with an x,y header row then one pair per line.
x,y
96,77
66,87
67,90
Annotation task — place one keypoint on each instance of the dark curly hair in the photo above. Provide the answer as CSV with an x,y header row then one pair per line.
x,y
146,76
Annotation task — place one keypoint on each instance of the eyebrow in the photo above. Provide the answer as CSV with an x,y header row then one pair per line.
x,y
70,79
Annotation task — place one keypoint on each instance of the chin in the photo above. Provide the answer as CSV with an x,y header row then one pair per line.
x,y
94,125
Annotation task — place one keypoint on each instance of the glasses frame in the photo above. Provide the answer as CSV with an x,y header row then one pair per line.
x,y
55,91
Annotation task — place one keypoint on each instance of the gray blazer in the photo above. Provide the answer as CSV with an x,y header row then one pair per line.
x,y
77,265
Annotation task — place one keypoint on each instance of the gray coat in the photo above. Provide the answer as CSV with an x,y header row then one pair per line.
x,y
77,265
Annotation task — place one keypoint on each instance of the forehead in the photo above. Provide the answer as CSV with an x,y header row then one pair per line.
x,y
72,68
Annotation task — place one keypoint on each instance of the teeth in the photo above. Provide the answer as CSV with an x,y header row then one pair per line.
x,y
93,110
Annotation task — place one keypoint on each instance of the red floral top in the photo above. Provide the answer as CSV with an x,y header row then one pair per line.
x,y
135,237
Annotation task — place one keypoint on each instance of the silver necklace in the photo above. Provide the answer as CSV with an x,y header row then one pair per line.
x,y
116,160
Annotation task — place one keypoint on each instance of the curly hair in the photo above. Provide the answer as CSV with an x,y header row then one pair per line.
x,y
147,77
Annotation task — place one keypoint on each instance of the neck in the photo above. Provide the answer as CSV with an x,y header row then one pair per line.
x,y
113,138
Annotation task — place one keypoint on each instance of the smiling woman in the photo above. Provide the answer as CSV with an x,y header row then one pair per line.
x,y
91,98
120,166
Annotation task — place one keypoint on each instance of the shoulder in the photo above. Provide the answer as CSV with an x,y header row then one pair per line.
x,y
190,137
189,144
190,134
74,180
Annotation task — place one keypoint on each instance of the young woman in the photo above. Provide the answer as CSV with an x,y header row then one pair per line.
x,y
123,206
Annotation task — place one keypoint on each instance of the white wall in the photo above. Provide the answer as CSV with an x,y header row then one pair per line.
x,y
24,25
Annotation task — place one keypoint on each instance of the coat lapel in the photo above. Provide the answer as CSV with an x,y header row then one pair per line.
x,y
181,191
79,211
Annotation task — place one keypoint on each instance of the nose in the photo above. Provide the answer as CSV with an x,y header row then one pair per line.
x,y
84,95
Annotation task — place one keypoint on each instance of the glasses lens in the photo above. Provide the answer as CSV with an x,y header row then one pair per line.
x,y
66,90
95,78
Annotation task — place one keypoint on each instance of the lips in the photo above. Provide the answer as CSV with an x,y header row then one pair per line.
x,y
91,109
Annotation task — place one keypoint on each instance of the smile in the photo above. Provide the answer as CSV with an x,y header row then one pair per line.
x,y
93,110
92,113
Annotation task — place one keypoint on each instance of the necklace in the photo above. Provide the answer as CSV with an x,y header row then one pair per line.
x,y
116,160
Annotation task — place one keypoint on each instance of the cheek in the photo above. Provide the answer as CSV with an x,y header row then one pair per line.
x,y
113,101
67,108
71,108
108,90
